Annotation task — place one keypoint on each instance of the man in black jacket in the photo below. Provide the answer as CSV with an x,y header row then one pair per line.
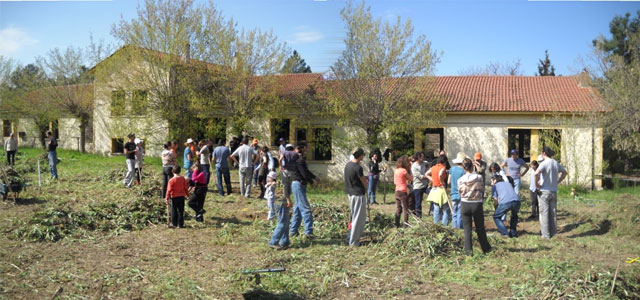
x,y
299,179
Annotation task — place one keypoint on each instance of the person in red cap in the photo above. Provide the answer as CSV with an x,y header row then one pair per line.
x,y
480,168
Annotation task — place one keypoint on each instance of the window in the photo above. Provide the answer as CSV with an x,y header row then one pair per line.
x,y
6,128
432,142
322,144
401,143
301,135
139,102
280,128
520,139
552,138
117,145
117,103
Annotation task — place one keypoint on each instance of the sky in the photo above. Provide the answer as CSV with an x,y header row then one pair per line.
x,y
466,34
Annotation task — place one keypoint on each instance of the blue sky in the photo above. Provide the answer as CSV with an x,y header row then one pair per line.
x,y
468,33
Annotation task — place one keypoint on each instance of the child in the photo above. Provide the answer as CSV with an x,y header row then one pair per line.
x,y
177,190
270,194
280,238
199,182
533,189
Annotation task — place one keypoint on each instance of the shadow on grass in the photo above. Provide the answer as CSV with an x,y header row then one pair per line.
x,y
28,201
233,220
603,227
572,226
528,250
262,294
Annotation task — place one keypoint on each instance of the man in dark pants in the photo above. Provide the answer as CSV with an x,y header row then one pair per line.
x,y
11,146
52,145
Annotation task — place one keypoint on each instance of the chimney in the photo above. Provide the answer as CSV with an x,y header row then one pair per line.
x,y
186,55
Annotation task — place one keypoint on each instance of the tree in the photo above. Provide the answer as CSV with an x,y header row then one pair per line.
x,y
618,84
494,69
545,68
22,96
70,86
622,28
379,75
295,64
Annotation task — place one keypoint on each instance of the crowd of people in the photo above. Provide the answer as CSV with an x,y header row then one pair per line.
x,y
453,193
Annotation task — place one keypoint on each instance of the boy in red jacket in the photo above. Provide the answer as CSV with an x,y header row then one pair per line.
x,y
177,191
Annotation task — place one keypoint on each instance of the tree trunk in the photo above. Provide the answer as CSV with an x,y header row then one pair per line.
x,y
372,138
627,165
43,136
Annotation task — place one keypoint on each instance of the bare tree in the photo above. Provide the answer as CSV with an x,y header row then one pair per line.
x,y
494,69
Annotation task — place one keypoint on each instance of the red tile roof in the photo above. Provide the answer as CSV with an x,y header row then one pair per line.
x,y
297,84
517,94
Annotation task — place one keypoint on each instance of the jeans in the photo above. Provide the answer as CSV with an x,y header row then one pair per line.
x,y
280,234
418,195
167,173
358,218
473,211
456,220
131,170
371,189
516,185
548,213
246,173
53,164
501,210
220,172
534,203
301,209
11,157
441,214
207,171
177,211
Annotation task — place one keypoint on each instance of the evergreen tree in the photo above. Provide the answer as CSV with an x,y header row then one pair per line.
x,y
545,68
621,29
295,64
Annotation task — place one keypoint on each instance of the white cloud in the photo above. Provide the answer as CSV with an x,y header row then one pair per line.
x,y
13,40
304,35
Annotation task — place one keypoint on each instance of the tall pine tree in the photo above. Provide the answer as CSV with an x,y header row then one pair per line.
x,y
545,68
295,64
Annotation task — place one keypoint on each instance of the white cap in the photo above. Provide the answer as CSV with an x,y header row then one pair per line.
x,y
540,158
189,141
137,141
272,175
288,145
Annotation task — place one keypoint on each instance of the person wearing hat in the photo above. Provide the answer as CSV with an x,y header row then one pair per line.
x,y
514,164
547,180
480,167
508,201
270,194
188,156
139,158
354,183
246,157
455,173
130,154
282,148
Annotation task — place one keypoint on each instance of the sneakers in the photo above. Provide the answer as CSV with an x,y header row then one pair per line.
x,y
276,247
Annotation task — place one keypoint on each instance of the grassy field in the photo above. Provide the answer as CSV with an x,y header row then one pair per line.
x,y
88,237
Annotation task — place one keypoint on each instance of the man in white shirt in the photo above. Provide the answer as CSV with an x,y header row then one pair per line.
x,y
245,156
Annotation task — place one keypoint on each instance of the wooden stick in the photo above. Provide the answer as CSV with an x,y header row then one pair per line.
x,y
57,293
615,276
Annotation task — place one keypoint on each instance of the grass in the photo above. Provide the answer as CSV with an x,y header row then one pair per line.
x,y
97,239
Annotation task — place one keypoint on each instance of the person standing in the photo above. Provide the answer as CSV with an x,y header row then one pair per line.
x,y
196,200
245,156
263,170
11,146
514,164
533,189
354,183
177,191
139,158
401,178
508,200
205,159
188,156
438,195
455,173
420,181
480,168
130,154
52,145
282,147
374,175
301,207
546,178
470,190
168,162
221,157
288,162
